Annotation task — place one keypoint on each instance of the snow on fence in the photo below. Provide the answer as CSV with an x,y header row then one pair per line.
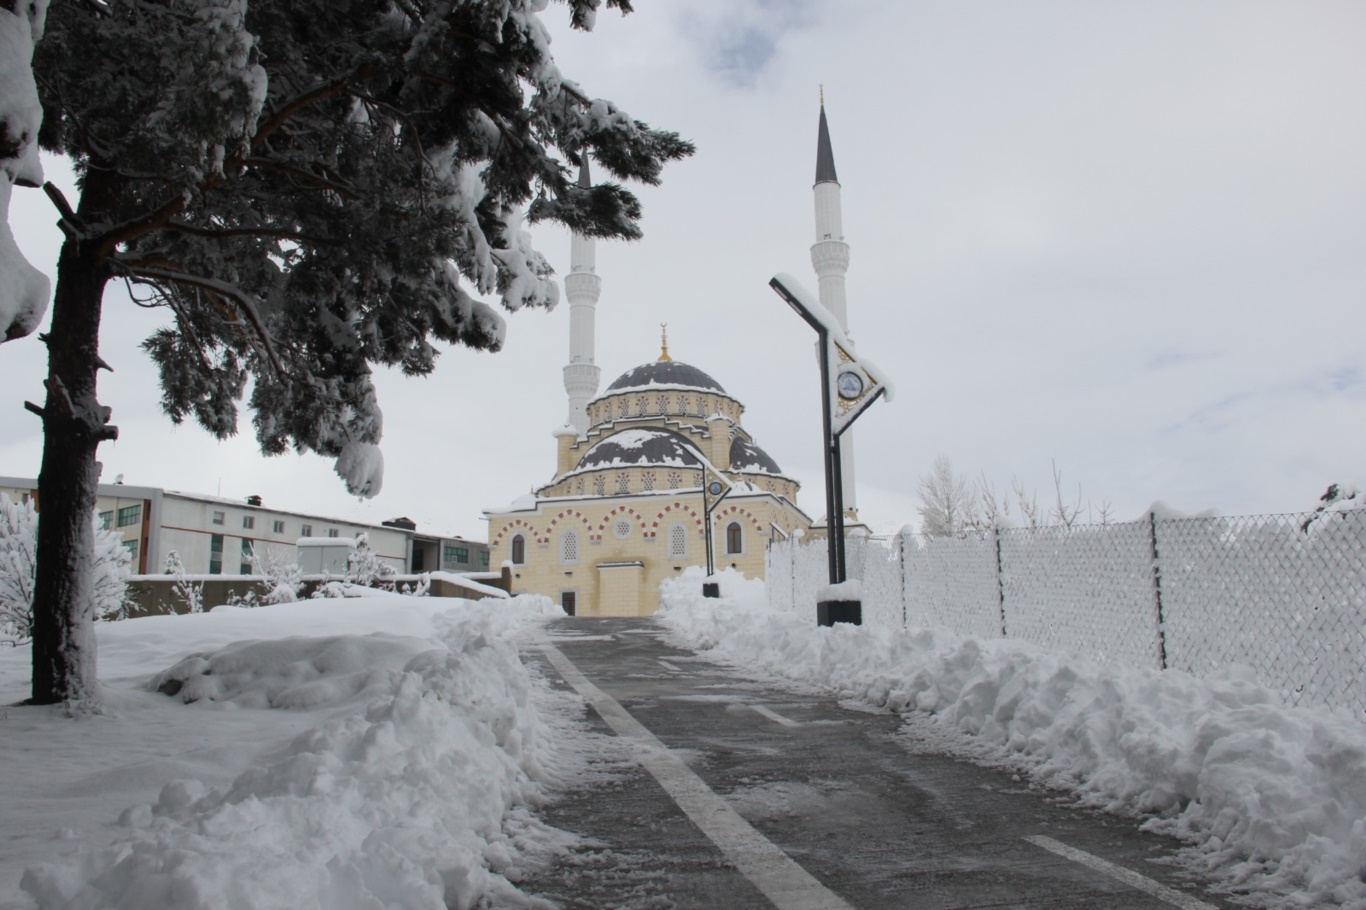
x,y
1195,594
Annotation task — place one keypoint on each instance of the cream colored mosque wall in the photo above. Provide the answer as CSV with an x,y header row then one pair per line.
x,y
597,526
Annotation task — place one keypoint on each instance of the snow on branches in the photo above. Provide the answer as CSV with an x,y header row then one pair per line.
x,y
23,289
310,193
18,563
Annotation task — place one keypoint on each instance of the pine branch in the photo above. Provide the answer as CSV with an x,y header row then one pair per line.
x,y
244,303
278,233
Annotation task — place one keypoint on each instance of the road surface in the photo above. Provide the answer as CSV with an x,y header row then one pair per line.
x,y
744,795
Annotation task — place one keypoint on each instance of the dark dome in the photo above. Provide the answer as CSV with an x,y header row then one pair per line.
x,y
746,456
639,447
666,373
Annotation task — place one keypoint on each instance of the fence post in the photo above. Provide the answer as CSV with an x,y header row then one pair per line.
x,y
902,595
1000,583
1157,593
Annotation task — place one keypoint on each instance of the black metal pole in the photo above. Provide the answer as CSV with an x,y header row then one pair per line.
x,y
841,568
706,522
831,495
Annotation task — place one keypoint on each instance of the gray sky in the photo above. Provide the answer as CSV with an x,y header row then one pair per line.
x,y
1128,237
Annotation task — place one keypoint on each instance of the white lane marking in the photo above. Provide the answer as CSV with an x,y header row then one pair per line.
x,y
774,716
1127,876
787,885
669,665
572,636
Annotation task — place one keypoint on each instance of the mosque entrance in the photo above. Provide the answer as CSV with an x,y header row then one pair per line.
x,y
568,602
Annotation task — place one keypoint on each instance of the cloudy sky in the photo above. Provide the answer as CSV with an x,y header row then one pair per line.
x,y
1125,238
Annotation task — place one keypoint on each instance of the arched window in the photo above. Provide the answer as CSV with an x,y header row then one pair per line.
x,y
569,547
600,485
518,550
734,539
623,483
678,542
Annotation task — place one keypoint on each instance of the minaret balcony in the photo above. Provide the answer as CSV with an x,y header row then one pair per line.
x,y
829,256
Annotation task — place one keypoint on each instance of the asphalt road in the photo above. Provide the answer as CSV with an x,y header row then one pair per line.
x,y
743,795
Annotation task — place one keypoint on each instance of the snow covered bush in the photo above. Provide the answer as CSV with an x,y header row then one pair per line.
x,y
1339,497
18,561
283,577
366,569
191,593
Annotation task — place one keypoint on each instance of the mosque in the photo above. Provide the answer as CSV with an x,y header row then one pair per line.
x,y
626,507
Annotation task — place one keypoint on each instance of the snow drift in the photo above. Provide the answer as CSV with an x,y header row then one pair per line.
x,y
397,799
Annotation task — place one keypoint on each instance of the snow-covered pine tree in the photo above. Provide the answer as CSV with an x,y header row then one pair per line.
x,y
309,189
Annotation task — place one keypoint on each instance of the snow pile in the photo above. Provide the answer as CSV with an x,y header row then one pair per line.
x,y
1261,791
23,289
397,799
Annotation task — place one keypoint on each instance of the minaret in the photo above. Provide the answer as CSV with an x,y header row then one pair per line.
x,y
582,286
830,256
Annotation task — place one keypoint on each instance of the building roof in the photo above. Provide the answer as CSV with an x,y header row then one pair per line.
x,y
825,157
746,456
641,446
672,373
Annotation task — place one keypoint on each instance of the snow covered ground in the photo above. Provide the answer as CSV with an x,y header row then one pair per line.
x,y
346,754
1272,800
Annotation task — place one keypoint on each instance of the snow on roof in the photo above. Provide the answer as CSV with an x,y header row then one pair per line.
x,y
641,446
665,373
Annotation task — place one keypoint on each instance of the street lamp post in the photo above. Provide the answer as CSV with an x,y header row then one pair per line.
x,y
858,385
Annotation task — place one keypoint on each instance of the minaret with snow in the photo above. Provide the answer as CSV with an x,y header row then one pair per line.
x,y
582,286
830,256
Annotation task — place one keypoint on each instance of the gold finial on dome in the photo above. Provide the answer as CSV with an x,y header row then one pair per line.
x,y
664,342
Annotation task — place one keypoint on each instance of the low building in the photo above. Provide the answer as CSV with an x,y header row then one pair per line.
x,y
217,536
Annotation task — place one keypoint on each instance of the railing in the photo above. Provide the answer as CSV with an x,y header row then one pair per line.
x,y
1194,594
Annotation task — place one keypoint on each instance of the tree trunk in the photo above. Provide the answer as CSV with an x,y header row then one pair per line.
x,y
74,424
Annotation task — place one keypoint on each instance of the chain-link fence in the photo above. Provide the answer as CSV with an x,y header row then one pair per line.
x,y
1277,593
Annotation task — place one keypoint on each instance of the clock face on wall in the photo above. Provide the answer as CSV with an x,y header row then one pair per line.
x,y
849,384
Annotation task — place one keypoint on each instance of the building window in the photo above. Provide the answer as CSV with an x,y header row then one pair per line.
x,y
132,547
578,486
622,529
484,558
215,554
684,402
647,480
450,553
675,480
622,408
734,539
305,530
569,548
600,485
332,532
277,527
249,521
106,520
640,406
518,550
663,404
129,515
623,483
219,518
678,542
245,568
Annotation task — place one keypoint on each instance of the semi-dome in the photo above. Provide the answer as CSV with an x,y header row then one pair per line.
x,y
746,456
665,373
641,446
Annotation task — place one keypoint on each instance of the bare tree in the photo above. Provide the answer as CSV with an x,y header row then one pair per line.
x,y
995,510
948,505
1064,514
1028,502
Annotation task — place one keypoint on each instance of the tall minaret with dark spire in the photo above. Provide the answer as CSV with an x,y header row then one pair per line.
x,y
582,286
830,256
